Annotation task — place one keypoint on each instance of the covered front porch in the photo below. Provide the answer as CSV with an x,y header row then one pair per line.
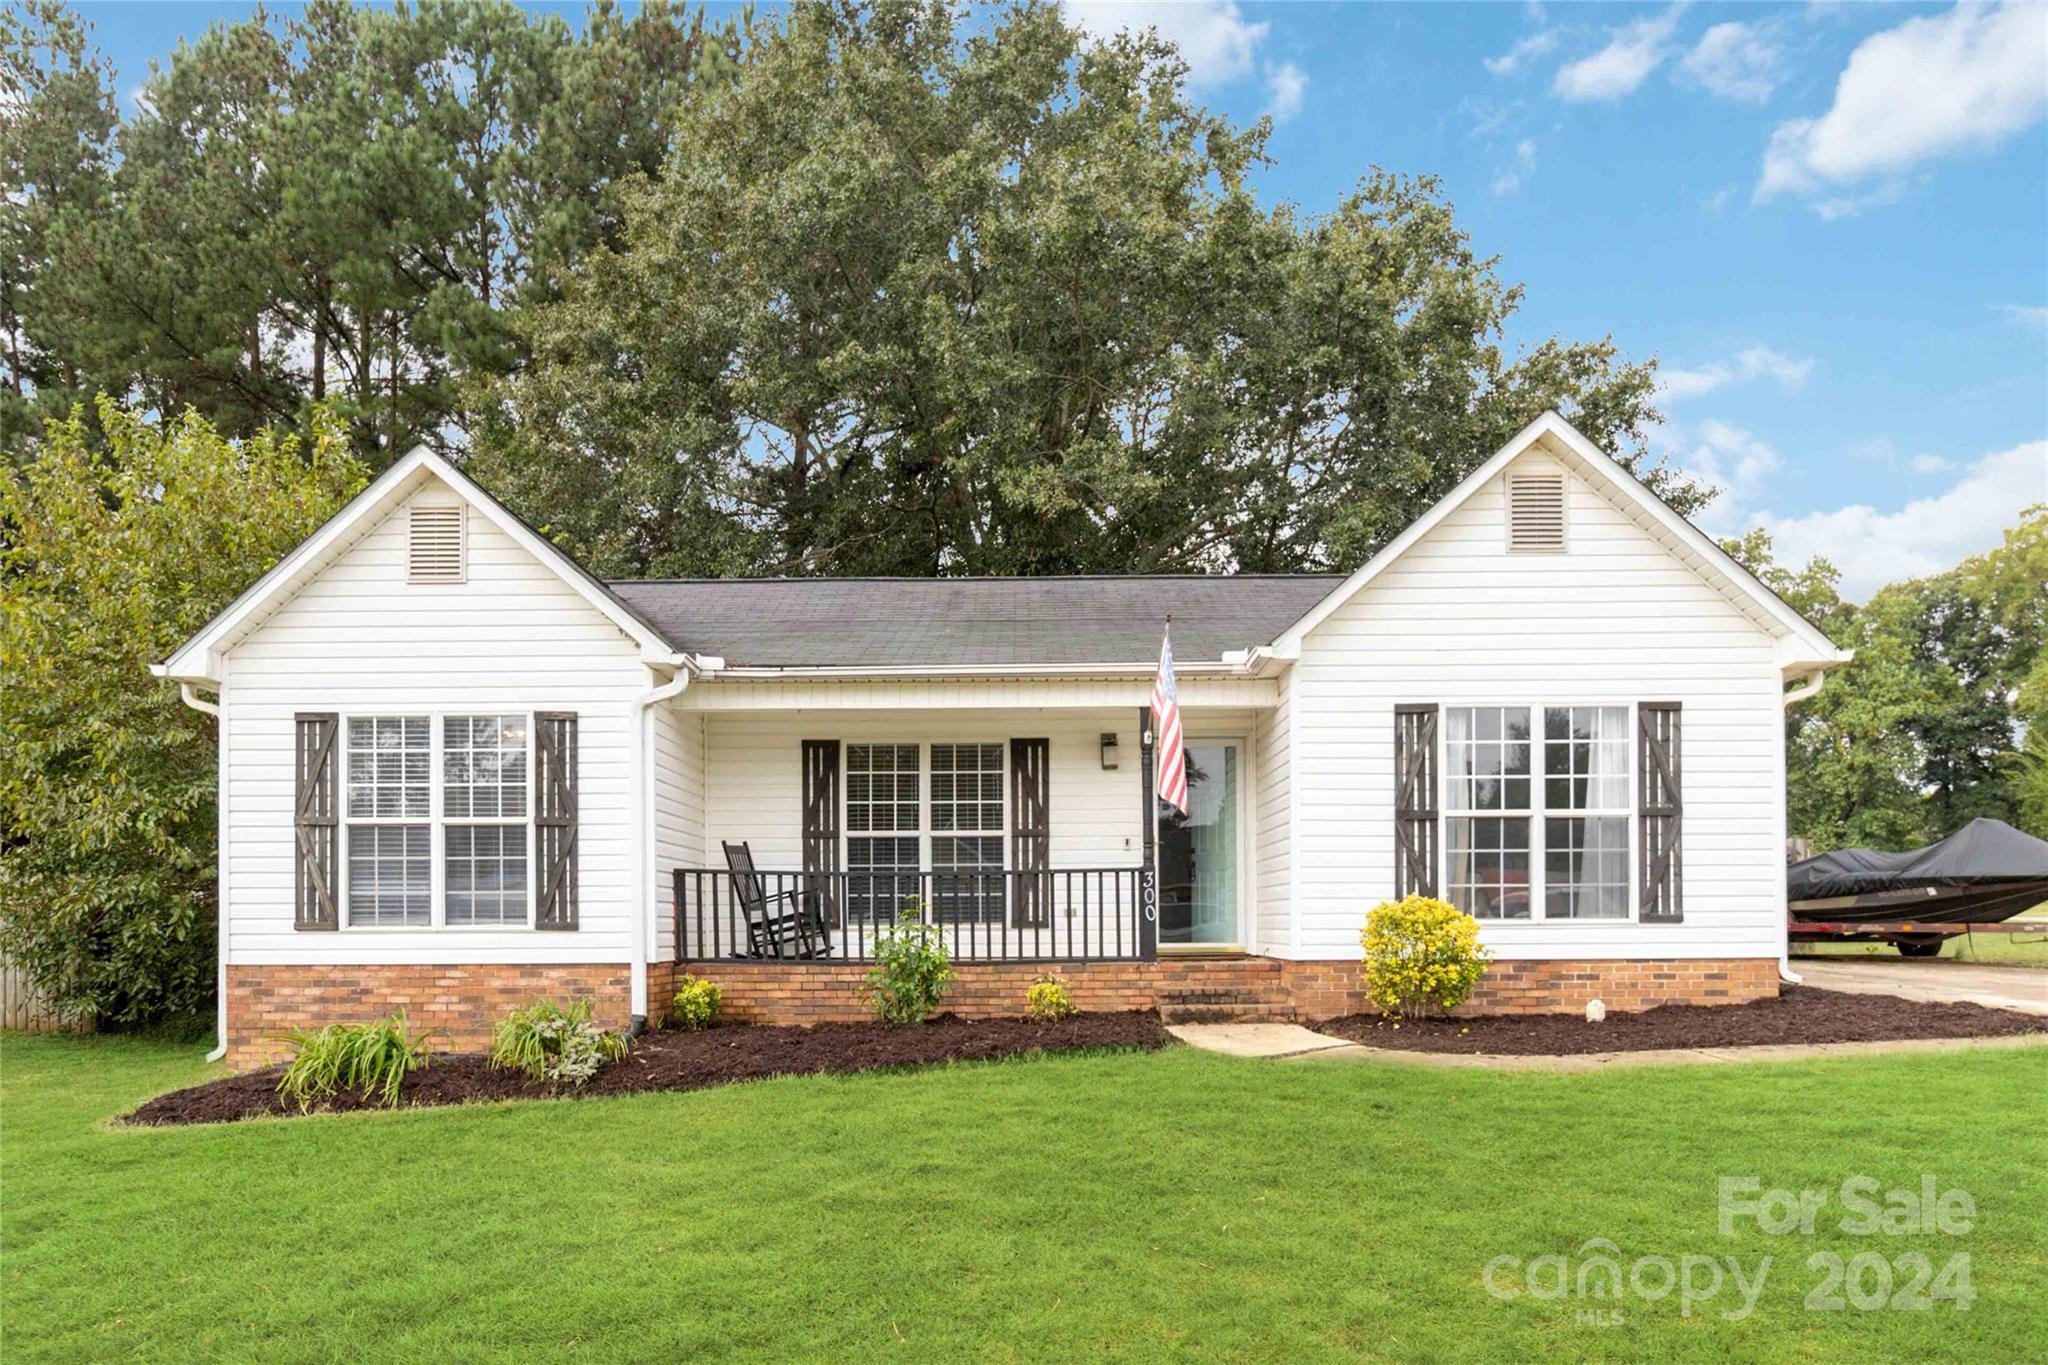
x,y
1022,834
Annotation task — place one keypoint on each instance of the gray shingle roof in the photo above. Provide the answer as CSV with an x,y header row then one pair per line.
x,y
900,622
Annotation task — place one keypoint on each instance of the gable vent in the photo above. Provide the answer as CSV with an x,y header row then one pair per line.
x,y
1536,511
435,550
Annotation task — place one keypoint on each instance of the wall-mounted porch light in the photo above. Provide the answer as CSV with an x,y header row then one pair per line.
x,y
1109,751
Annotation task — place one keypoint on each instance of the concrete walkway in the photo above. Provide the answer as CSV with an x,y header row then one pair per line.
x,y
1935,978
1292,1042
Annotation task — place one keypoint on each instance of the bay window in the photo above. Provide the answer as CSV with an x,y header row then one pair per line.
x,y
1497,806
438,821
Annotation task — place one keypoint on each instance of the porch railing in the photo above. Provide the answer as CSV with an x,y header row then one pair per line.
x,y
1064,915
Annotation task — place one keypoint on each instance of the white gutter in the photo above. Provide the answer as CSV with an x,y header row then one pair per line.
x,y
1815,680
643,781
191,698
1236,664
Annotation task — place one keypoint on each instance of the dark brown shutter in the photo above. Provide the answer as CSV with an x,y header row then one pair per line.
x,y
1415,808
1031,832
316,855
821,827
554,819
1660,810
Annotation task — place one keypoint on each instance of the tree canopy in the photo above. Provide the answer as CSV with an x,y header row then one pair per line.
x,y
120,544
1943,714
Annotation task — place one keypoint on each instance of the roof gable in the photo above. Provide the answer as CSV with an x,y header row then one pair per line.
x,y
198,659
1802,645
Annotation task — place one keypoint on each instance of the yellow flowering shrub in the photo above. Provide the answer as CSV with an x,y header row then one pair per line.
x,y
696,1003
1048,999
1420,954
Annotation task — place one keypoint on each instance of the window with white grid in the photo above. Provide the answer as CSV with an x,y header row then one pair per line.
x,y
1520,844
389,806
884,802
463,778
967,831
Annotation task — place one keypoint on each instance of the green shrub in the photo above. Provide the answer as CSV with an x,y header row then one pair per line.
x,y
696,1003
1421,954
371,1059
550,1043
1048,998
911,971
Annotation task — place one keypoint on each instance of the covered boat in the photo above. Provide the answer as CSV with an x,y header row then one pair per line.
x,y
1985,872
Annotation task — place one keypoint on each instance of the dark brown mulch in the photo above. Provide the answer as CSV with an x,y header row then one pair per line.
x,y
1801,1014
691,1061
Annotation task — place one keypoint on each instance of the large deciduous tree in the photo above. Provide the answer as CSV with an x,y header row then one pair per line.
x,y
913,299
116,548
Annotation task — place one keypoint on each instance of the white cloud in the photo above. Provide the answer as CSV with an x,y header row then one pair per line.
x,y
1509,178
1931,464
1931,87
1736,463
1927,535
1633,51
1733,61
2027,314
1758,362
1535,45
1286,83
1718,200
1214,39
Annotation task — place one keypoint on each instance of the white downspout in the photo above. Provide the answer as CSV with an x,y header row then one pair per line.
x,y
643,892
1814,681
191,698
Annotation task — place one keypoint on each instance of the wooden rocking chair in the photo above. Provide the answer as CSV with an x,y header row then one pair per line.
x,y
782,925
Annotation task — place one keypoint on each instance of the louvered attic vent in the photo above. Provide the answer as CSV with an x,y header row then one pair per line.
x,y
435,550
1536,512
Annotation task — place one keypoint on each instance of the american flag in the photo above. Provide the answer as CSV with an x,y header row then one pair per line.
x,y
1173,758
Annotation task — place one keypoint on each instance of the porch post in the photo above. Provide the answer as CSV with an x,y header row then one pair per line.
x,y
1148,876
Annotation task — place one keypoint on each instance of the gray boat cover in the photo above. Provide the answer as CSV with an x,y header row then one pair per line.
x,y
1983,851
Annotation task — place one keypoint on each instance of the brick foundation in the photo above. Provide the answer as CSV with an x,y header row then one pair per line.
x,y
464,1001
797,993
1323,990
461,1001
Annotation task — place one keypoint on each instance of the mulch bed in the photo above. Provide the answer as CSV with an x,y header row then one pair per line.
x,y
691,1061
1800,1014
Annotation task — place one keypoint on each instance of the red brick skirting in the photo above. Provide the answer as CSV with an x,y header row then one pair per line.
x,y
1323,990
463,1002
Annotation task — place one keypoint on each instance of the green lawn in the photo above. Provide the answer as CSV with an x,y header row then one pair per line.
x,y
1128,1206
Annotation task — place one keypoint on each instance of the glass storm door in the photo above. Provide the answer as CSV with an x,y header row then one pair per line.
x,y
1198,851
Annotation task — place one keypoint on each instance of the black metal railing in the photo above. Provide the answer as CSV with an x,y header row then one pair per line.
x,y
1064,915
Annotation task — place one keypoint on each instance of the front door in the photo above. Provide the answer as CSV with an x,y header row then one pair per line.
x,y
1198,862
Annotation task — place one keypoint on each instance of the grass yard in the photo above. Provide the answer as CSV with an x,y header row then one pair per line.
x,y
1105,1205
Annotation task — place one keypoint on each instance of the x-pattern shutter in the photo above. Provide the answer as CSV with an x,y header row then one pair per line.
x,y
1415,799
821,827
1660,811
1031,832
554,818
316,851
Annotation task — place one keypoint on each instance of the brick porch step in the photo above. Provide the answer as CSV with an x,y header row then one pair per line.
x,y
1213,1004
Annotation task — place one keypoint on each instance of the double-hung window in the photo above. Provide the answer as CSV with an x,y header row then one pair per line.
x,y
439,821
1536,821
897,827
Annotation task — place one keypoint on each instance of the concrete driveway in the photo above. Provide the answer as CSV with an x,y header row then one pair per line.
x,y
1940,979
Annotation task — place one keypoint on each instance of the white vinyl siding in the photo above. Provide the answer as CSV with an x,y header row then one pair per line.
x,y
1616,619
678,813
358,639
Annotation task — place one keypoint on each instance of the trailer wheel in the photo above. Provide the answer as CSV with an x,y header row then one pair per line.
x,y
1919,947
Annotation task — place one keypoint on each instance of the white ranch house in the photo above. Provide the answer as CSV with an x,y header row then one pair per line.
x,y
457,771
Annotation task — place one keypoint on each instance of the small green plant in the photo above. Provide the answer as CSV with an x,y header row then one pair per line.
x,y
372,1059
1049,999
696,1003
911,971
1421,954
550,1043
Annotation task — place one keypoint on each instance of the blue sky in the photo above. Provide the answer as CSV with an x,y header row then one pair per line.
x,y
1829,222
